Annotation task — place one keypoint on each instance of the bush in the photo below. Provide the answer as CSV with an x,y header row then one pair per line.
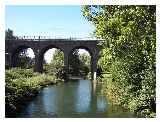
x,y
21,85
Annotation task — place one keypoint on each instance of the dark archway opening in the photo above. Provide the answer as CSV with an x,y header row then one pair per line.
x,y
80,63
23,57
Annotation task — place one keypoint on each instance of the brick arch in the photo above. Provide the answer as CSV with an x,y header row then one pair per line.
x,y
46,48
89,50
16,51
86,48
21,47
42,51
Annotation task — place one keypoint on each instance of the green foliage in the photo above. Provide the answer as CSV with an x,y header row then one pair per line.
x,y
85,64
9,34
85,59
56,66
58,59
128,52
79,64
21,84
24,61
74,63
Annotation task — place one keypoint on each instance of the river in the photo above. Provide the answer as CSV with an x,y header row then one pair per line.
x,y
72,99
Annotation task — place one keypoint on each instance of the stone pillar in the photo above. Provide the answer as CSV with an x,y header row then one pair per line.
x,y
93,67
94,61
38,62
14,60
66,63
8,59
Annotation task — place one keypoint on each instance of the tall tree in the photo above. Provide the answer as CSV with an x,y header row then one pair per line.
x,y
9,34
79,63
56,67
128,51
74,62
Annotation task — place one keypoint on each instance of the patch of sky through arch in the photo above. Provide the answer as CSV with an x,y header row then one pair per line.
x,y
48,55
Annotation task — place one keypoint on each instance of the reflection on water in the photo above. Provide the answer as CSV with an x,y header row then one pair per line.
x,y
101,104
83,94
72,99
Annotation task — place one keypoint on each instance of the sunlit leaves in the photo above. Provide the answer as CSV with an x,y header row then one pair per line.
x,y
128,52
22,84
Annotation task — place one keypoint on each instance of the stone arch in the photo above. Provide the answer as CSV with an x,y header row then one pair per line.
x,y
43,51
15,53
94,53
90,52
82,47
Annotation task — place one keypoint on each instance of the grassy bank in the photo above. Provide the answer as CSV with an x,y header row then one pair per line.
x,y
21,86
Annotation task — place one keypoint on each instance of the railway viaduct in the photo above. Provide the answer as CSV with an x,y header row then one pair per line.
x,y
40,46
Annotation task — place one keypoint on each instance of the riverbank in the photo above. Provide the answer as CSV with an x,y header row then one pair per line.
x,y
21,86
119,95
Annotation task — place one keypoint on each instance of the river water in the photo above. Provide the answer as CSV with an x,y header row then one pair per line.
x,y
72,99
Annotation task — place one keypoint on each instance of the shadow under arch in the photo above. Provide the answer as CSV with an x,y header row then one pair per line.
x,y
99,64
82,47
71,67
16,51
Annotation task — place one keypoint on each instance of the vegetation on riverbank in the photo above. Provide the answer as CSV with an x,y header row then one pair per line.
x,y
22,85
128,54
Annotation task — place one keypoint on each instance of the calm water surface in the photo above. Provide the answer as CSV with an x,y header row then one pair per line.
x,y
72,99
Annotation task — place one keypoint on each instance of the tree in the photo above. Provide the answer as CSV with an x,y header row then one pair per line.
x,y
58,58
22,59
128,51
74,63
9,34
79,64
56,67
85,63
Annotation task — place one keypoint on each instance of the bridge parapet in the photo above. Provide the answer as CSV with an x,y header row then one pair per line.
x,y
43,38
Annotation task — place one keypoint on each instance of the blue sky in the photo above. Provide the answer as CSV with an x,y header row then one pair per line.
x,y
57,21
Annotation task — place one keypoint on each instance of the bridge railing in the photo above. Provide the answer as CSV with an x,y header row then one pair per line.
x,y
42,38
